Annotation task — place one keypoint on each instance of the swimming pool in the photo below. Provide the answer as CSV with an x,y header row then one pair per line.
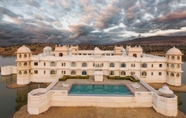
x,y
97,89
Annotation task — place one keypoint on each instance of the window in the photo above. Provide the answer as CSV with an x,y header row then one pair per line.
x,y
151,73
167,65
172,65
152,65
35,63
144,73
84,72
111,64
123,65
35,72
44,72
73,64
73,72
172,57
132,73
61,64
20,72
52,72
132,65
144,65
60,54
178,65
25,72
160,65
25,55
111,72
19,63
64,64
44,64
123,73
135,55
172,74
25,64
19,55
64,72
178,58
160,73
52,63
84,64
167,73
177,75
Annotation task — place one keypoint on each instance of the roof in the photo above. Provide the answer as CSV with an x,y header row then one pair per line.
x,y
174,50
23,49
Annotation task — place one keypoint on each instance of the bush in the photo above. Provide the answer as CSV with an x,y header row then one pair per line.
x,y
65,77
131,78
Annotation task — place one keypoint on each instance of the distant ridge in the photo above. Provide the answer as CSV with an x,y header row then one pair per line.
x,y
156,40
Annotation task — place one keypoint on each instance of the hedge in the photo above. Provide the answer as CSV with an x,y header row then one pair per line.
x,y
131,78
65,77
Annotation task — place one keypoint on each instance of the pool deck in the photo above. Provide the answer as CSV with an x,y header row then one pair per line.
x,y
128,83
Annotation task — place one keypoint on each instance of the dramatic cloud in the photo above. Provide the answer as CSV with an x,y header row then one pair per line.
x,y
89,21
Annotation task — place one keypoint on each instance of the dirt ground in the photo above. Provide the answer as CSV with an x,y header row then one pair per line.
x,y
94,112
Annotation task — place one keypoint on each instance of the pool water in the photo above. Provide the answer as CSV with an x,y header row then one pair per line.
x,y
97,89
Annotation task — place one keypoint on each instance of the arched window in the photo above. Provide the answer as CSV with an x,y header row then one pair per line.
x,y
19,55
123,65
177,75
144,65
132,65
52,63
44,63
25,63
60,54
144,73
73,64
111,72
84,64
132,73
44,72
52,72
167,65
111,64
25,72
172,65
178,65
167,73
172,74
19,63
73,72
135,55
172,57
84,72
20,72
178,58
123,73
25,55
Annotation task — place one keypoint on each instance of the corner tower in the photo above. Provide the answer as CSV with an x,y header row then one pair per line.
x,y
23,65
174,66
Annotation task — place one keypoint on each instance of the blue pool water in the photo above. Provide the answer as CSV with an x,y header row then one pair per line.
x,y
95,89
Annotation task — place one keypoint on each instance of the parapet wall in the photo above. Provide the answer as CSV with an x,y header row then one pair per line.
x,y
8,70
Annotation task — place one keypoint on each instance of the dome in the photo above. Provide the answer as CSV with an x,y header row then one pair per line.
x,y
174,50
23,49
165,90
47,48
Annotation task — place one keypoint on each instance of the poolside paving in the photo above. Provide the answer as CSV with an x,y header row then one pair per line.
x,y
128,83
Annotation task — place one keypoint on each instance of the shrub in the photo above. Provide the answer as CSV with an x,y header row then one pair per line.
x,y
65,77
131,78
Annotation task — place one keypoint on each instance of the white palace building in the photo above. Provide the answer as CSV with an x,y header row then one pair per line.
x,y
50,65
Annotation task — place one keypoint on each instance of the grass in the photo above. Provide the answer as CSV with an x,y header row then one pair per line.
x,y
131,78
65,77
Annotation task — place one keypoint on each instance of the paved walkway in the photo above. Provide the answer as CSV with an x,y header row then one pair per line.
x,y
128,83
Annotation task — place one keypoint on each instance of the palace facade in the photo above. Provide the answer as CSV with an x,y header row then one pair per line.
x,y
69,60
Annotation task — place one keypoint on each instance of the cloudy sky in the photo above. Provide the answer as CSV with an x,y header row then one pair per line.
x,y
89,21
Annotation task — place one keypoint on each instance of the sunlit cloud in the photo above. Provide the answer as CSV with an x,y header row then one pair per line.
x,y
90,21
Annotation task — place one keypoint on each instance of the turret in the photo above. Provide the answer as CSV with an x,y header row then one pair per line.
x,y
23,65
174,66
